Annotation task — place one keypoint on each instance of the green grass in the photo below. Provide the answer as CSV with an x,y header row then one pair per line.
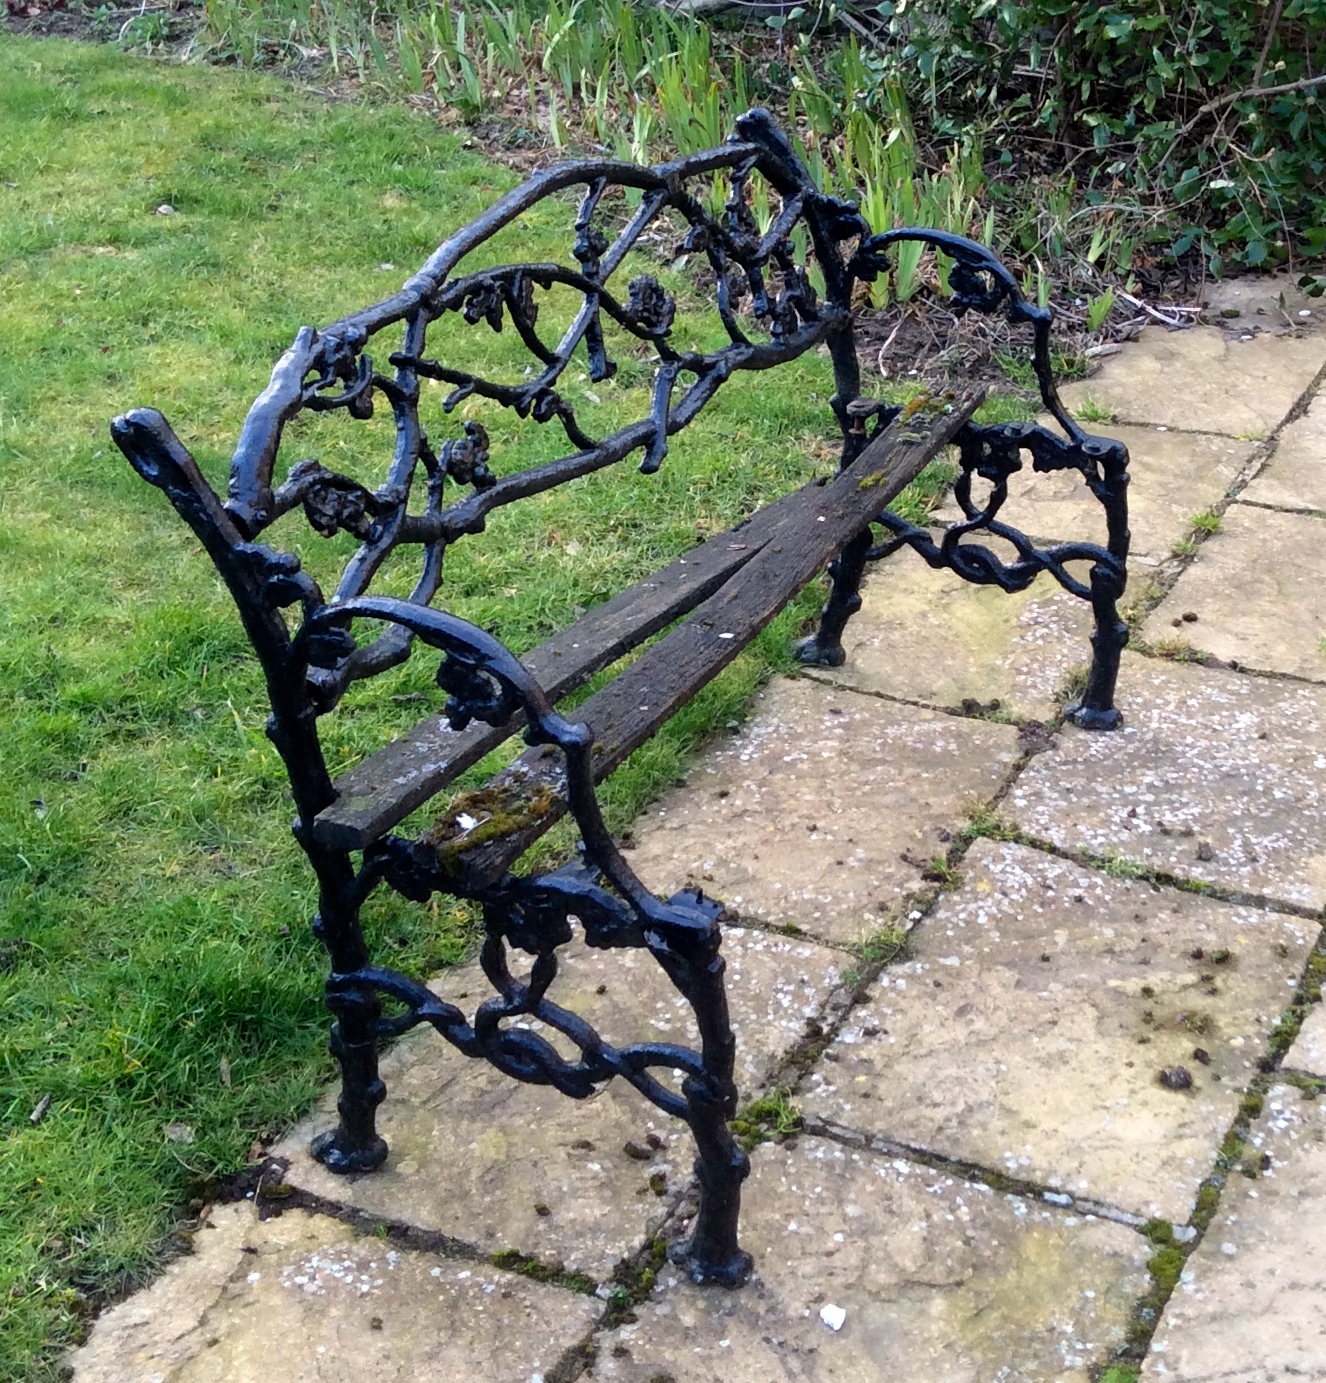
x,y
156,966
155,962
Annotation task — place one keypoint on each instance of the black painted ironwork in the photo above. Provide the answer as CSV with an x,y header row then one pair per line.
x,y
993,452
310,653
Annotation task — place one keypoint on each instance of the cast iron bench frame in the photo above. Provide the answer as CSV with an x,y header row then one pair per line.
x,y
723,593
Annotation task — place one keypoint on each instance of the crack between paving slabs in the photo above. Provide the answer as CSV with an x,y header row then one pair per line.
x,y
1123,867
1303,512
1136,613
971,1172
960,712
1159,653
280,1196
1113,421
1171,1253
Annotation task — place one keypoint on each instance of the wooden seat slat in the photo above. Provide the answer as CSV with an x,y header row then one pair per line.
x,y
391,783
627,712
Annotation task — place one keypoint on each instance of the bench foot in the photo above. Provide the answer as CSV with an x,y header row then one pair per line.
x,y
1087,718
811,652
1095,709
712,1254
824,648
704,1272
354,1144
338,1154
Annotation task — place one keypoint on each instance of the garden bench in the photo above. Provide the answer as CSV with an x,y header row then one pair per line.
x,y
712,601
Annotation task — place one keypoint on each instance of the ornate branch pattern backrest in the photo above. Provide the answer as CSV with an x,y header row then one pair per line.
x,y
332,369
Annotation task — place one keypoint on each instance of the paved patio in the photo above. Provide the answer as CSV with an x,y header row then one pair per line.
x,y
990,1183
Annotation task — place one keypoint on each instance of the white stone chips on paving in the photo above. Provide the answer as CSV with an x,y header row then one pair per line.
x,y
482,1158
938,1281
302,1299
825,810
1029,1030
1255,598
1248,1307
1215,776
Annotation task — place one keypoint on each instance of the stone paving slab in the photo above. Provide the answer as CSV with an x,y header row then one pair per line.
x,y
302,1299
932,637
1173,475
501,1165
1214,776
1309,1050
1202,381
1044,1000
1255,591
805,817
1265,302
1295,476
1248,1307
940,1281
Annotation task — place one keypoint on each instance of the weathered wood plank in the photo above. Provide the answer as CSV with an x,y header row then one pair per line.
x,y
627,711
388,785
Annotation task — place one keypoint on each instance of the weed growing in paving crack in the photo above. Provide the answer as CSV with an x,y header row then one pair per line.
x,y
1167,1262
986,823
771,1116
539,1271
879,949
1089,411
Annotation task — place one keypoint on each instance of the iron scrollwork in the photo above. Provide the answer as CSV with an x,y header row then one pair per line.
x,y
312,647
993,452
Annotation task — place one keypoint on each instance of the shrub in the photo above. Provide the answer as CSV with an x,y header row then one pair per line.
x,y
1213,107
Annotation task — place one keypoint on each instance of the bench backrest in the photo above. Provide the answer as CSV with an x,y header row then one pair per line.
x,y
309,668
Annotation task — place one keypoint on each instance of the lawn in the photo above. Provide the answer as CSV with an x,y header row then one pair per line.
x,y
156,966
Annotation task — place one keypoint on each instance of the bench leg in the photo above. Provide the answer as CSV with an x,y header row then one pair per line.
x,y
824,648
354,1145
712,1253
1095,709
